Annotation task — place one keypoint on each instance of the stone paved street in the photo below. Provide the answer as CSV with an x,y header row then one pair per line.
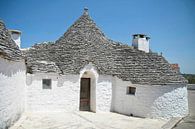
x,y
186,123
84,120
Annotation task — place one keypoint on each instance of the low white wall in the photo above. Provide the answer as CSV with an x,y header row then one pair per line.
x,y
63,96
151,101
65,93
12,91
171,101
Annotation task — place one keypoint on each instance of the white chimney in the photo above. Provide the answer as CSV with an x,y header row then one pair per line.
x,y
15,35
141,42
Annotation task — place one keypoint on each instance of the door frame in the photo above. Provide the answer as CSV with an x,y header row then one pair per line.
x,y
89,72
89,90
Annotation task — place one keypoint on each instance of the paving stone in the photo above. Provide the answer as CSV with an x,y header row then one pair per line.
x,y
84,120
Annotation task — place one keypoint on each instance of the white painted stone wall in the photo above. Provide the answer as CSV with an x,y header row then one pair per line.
x,y
12,91
104,93
151,101
65,93
172,102
63,96
107,94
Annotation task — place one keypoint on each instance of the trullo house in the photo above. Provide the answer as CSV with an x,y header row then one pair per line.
x,y
84,70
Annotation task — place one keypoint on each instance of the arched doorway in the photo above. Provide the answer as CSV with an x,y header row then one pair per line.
x,y
87,92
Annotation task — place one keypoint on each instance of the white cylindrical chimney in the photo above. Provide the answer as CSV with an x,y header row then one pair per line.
x,y
15,35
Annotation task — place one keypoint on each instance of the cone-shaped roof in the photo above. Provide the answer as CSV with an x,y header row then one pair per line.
x,y
8,48
84,29
84,42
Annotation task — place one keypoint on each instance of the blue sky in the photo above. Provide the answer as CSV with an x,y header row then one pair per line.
x,y
169,23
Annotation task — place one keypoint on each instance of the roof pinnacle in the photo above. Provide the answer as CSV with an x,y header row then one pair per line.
x,y
85,11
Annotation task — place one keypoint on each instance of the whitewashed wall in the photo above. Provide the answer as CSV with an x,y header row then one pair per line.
x,y
151,101
104,93
63,96
108,94
12,91
65,93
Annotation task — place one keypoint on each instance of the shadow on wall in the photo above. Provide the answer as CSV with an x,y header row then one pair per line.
x,y
62,79
10,68
112,99
53,76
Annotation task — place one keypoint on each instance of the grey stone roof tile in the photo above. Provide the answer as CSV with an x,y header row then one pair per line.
x,y
8,48
84,42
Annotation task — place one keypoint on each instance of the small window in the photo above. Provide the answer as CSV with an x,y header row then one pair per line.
x,y
46,83
131,90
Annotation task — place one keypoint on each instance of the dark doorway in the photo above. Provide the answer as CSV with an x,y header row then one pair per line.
x,y
85,94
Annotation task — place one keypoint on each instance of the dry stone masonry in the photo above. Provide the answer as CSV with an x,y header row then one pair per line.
x,y
8,49
84,42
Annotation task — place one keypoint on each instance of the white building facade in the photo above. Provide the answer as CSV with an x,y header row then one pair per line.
x,y
107,93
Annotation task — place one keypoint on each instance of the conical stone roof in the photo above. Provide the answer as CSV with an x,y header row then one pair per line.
x,y
84,42
8,48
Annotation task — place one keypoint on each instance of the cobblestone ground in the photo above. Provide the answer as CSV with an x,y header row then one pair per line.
x,y
84,120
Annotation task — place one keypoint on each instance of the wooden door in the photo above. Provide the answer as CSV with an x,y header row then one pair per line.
x,y
85,94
